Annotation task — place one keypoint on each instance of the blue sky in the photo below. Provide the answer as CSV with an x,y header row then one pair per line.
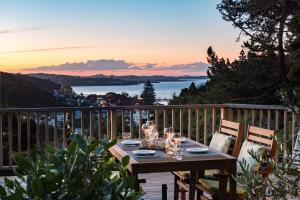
x,y
165,32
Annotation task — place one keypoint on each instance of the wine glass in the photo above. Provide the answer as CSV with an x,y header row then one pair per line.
x,y
126,136
177,137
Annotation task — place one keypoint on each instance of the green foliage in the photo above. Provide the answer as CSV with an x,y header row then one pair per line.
x,y
148,95
283,183
82,171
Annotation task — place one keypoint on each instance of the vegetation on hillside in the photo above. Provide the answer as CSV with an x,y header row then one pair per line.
x,y
22,91
268,63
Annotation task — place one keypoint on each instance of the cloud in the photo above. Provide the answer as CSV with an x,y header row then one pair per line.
x,y
47,49
110,64
28,29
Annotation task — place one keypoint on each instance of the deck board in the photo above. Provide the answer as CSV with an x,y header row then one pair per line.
x,y
153,185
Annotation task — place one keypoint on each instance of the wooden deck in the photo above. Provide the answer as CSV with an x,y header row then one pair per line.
x,y
153,186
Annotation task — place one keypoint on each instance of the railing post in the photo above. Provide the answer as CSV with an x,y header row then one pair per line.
x,y
181,121
197,125
205,125
190,123
224,113
108,132
156,118
1,142
253,117
261,117
99,124
213,120
293,129
91,124
238,115
19,133
269,119
230,114
123,121
37,136
245,122
28,131
173,119
165,119
10,139
55,129
140,123
285,117
47,128
81,123
131,122
113,121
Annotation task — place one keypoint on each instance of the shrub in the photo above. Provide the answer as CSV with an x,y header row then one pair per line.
x,y
84,170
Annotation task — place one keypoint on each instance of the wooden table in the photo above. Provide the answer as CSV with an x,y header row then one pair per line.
x,y
194,163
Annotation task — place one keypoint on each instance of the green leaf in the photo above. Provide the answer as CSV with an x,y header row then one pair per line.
x,y
125,160
37,187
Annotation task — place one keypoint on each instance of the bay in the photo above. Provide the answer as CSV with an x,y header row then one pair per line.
x,y
163,90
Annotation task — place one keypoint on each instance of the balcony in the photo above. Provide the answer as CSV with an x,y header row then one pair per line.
x,y
26,128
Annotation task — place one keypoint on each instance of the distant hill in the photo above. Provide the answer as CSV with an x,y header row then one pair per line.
x,y
18,90
100,79
82,81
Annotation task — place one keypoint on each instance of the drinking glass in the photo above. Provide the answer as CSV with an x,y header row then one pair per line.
x,y
178,153
126,135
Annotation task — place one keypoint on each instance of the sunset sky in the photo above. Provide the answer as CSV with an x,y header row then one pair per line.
x,y
168,37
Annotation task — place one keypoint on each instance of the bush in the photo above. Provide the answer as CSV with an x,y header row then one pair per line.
x,y
85,170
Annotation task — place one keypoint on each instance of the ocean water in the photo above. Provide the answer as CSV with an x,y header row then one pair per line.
x,y
163,90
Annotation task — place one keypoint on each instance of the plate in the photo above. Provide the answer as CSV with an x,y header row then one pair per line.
x,y
183,139
131,142
197,150
144,152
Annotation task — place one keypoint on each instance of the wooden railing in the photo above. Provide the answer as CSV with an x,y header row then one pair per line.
x,y
24,129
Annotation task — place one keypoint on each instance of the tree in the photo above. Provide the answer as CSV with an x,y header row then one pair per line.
x,y
265,22
148,95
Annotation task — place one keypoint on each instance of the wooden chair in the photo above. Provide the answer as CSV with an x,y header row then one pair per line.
x,y
212,187
230,128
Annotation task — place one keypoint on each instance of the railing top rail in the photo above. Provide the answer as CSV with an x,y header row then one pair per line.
x,y
145,107
256,106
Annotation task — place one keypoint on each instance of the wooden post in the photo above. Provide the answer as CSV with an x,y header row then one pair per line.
x,y
269,119
37,135
131,122
148,115
91,124
19,133
64,130
81,122
140,123
72,122
108,123
261,116
123,121
47,128
113,121
230,114
245,122
253,117
99,124
165,119
224,113
238,115
173,119
197,125
205,125
293,129
181,121
285,132
55,129
28,131
1,142
190,123
213,120
9,139
156,118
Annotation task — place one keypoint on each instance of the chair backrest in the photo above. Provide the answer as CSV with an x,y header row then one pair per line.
x,y
264,137
235,130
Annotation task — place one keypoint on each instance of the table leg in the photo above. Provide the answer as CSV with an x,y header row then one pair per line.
x,y
136,181
232,182
193,180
